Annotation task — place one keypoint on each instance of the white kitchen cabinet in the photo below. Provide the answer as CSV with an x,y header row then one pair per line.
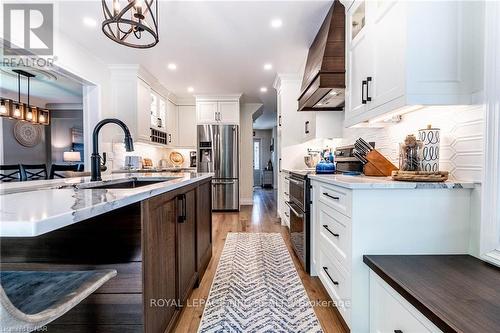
x,y
218,110
229,112
142,117
207,112
402,54
187,126
358,59
171,124
283,197
347,223
390,312
158,112
299,127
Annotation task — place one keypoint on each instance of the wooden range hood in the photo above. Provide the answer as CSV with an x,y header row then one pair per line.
x,y
323,85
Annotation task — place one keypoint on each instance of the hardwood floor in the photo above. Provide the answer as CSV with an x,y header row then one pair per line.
x,y
261,217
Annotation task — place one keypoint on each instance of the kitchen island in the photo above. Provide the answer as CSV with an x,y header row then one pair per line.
x,y
155,230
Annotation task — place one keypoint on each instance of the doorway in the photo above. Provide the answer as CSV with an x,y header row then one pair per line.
x,y
257,162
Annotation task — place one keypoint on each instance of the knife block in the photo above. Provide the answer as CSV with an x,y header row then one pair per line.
x,y
378,165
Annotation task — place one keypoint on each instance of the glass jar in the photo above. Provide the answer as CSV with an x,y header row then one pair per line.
x,y
411,156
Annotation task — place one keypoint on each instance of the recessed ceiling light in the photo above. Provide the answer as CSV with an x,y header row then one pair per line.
x,y
172,66
89,22
190,89
263,89
268,67
276,23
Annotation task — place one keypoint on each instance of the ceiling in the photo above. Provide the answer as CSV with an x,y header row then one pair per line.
x,y
46,87
266,121
218,47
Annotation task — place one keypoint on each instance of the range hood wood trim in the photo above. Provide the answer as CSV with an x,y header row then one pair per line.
x,y
325,67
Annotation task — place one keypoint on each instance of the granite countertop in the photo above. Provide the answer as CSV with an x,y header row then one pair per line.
x,y
458,293
374,183
156,170
29,209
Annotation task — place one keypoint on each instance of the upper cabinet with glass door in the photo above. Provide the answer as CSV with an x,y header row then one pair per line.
x,y
403,54
158,112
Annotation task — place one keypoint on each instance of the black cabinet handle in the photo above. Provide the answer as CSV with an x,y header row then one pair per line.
x,y
182,217
306,127
331,196
333,281
363,84
328,229
368,80
279,120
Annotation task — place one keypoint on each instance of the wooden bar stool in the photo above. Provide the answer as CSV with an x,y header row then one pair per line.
x,y
34,171
10,173
30,300
56,170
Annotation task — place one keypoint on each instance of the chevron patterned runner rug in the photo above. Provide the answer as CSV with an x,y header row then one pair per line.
x,y
257,289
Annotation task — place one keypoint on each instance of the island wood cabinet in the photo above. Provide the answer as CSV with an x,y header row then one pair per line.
x,y
175,223
160,248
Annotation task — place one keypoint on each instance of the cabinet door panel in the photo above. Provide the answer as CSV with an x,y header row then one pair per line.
x,y
159,264
207,112
186,245
359,58
144,111
172,123
204,227
187,126
389,45
229,112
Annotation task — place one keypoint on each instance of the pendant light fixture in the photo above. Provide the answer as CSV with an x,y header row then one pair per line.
x,y
23,111
133,23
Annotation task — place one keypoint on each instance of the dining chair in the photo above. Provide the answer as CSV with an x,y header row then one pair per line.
x,y
34,171
11,173
55,168
29,300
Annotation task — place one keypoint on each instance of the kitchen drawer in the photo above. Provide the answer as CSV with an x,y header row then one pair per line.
x,y
336,197
335,234
284,212
337,283
390,312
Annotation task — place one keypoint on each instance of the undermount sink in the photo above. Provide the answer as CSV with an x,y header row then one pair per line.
x,y
121,184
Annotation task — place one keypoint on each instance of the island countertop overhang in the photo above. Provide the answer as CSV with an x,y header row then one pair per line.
x,y
34,208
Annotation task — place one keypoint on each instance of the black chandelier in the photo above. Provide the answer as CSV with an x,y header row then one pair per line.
x,y
131,23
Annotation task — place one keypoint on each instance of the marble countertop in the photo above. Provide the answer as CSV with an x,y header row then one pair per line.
x,y
29,209
367,183
156,170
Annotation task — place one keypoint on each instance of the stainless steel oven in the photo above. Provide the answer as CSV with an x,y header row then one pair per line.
x,y
299,205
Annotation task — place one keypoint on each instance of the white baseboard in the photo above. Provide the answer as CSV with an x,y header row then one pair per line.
x,y
246,202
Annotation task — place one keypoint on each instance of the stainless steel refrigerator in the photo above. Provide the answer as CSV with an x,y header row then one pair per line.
x,y
218,152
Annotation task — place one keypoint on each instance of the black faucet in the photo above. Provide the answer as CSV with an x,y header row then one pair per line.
x,y
96,158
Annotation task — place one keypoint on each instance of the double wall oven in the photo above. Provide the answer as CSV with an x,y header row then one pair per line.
x,y
300,216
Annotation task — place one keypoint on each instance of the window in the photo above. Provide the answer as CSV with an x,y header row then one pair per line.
x,y
256,155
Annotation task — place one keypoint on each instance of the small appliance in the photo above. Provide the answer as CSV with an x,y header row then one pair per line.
x,y
192,159
300,217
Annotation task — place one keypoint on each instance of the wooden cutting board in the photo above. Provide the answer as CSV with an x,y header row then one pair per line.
x,y
420,176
